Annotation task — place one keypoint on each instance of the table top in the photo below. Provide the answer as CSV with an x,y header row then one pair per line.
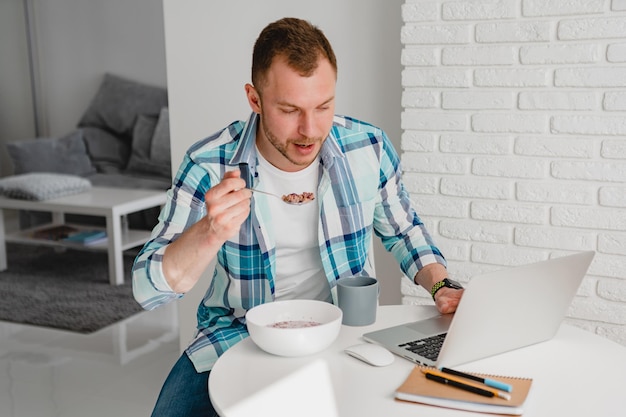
x,y
96,200
576,373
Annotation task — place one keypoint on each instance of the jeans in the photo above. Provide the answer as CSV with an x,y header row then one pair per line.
x,y
185,392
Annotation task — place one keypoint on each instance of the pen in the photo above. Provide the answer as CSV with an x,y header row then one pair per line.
x,y
453,382
489,382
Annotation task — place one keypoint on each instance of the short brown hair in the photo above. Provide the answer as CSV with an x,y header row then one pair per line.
x,y
298,41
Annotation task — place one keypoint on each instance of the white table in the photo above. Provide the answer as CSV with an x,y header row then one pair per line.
x,y
575,374
111,203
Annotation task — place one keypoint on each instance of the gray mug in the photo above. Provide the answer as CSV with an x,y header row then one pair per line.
x,y
358,300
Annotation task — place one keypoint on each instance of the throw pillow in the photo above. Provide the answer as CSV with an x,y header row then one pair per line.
x,y
142,137
65,155
119,102
139,161
42,186
108,153
160,148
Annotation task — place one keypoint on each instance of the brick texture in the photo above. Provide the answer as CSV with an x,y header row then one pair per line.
x,y
514,144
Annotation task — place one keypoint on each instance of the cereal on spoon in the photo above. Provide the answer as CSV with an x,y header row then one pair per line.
x,y
298,198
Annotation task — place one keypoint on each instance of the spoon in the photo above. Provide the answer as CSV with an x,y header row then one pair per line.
x,y
283,199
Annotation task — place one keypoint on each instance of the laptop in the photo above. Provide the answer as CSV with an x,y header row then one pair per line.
x,y
500,311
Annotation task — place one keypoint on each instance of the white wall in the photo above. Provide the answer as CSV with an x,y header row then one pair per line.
x,y
78,41
514,117
209,48
16,115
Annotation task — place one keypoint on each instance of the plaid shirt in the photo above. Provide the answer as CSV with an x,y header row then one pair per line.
x,y
360,192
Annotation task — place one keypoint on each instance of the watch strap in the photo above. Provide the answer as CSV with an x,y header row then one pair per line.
x,y
438,285
444,283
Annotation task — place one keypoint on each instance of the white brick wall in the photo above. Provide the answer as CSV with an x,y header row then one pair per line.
x,y
514,145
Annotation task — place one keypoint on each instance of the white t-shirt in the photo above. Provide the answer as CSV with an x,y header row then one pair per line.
x,y
299,272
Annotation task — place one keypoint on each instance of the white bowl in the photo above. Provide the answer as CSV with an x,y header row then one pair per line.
x,y
294,341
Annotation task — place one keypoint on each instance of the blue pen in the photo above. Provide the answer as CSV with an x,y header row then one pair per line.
x,y
489,382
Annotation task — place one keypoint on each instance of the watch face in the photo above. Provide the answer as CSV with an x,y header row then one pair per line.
x,y
453,284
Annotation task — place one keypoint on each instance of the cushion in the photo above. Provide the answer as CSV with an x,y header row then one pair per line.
x,y
65,155
119,102
106,151
42,186
140,161
160,149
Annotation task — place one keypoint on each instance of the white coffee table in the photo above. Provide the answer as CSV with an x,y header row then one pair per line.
x,y
111,203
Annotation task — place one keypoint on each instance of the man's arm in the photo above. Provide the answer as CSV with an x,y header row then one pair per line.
x,y
189,234
431,267
227,207
446,299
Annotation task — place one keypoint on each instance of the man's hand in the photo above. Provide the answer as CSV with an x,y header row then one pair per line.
x,y
227,207
447,299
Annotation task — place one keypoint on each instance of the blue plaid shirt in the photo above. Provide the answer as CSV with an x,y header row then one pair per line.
x,y
360,192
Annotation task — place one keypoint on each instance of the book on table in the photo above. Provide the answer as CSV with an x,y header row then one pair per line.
x,y
87,237
55,232
417,388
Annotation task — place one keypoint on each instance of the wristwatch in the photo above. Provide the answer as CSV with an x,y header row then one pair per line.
x,y
446,282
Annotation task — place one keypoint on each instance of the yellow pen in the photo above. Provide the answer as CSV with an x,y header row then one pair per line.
x,y
442,378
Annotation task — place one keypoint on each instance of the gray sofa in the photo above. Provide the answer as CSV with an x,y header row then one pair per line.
x,y
122,140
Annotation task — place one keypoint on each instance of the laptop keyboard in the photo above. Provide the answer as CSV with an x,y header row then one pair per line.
x,y
428,348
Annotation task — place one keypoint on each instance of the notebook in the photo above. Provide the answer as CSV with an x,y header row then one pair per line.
x,y
500,311
416,388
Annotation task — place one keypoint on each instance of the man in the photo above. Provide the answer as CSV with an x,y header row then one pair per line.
x,y
266,249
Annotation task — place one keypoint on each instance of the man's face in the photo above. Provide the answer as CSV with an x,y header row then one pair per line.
x,y
296,114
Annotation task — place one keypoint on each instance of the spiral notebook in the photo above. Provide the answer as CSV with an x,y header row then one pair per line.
x,y
416,388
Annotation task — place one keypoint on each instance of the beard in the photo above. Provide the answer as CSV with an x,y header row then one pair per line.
x,y
282,148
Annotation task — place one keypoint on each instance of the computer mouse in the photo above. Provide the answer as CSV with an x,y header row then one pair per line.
x,y
370,353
